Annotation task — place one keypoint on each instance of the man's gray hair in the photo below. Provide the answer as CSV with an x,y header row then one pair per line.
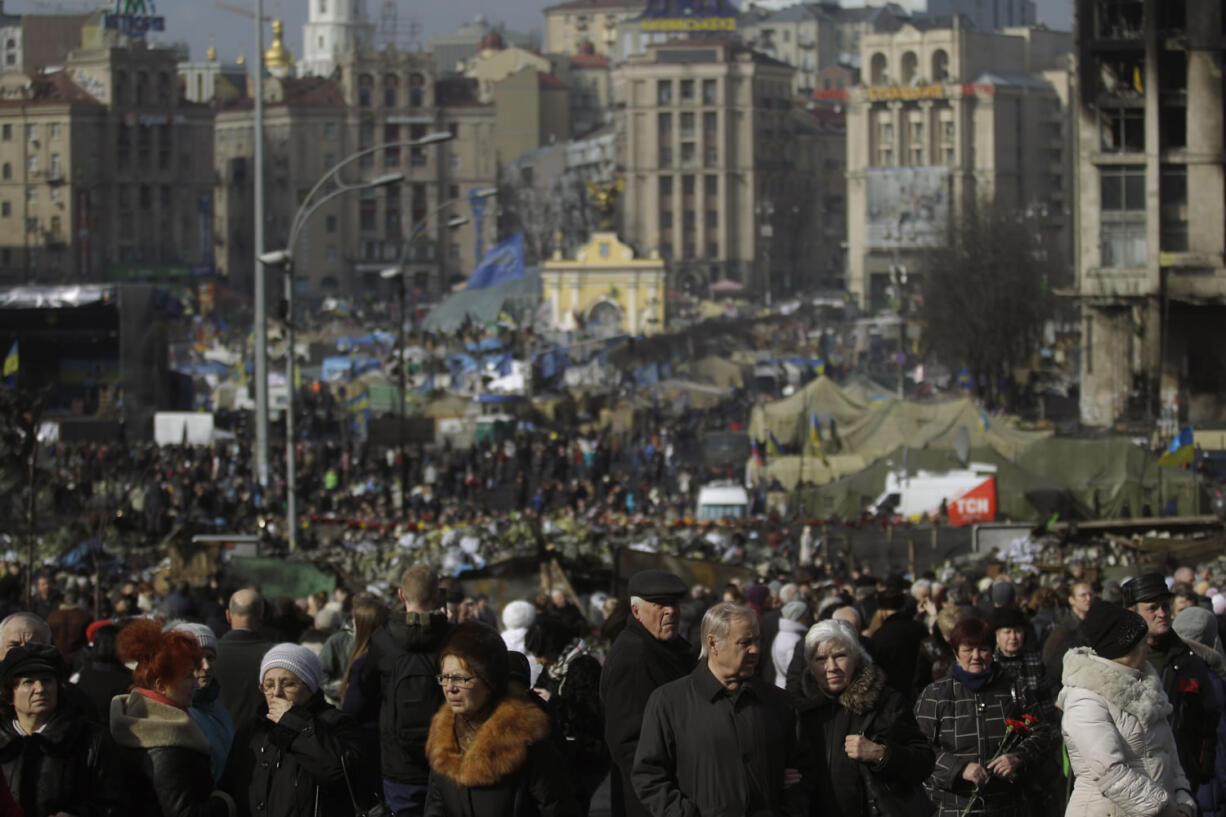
x,y
717,622
40,626
833,629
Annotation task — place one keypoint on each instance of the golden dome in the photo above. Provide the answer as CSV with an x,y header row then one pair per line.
x,y
241,60
211,54
278,56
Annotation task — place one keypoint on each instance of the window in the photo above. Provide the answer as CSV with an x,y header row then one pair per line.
x,y
1123,244
366,135
708,92
55,130
329,161
664,126
664,91
331,252
55,227
366,214
940,65
687,185
712,219
666,219
7,133
6,209
1123,189
712,249
688,219
687,125
1173,222
711,155
689,154
31,133
1121,130
330,224
56,170
329,133
417,90
666,156
710,185
391,91
687,90
146,197
31,195
666,186
710,125
366,87
32,164
8,171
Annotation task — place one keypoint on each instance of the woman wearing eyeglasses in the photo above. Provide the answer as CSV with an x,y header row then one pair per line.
x,y
288,761
965,717
490,749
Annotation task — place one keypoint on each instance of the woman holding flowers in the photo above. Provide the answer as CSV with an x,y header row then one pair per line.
x,y
979,721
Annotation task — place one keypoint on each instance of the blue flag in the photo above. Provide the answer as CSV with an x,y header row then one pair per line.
x,y
504,262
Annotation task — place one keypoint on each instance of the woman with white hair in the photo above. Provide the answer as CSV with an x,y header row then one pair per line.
x,y
872,755
517,617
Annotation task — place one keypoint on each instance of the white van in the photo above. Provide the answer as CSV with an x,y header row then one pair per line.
x,y
722,500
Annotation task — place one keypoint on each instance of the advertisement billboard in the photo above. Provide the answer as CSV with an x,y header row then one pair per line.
x,y
907,206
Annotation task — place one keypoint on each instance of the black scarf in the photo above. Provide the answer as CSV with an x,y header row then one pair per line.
x,y
974,681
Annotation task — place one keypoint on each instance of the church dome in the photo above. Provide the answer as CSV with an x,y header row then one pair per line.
x,y
278,57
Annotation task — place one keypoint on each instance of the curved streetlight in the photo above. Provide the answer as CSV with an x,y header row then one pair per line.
x,y
284,258
398,273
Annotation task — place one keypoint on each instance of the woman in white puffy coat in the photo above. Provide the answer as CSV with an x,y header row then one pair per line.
x,y
1120,744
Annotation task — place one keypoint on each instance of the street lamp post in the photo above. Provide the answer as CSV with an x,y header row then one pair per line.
x,y
284,258
399,274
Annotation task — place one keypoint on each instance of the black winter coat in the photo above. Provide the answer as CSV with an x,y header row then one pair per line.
x,y
707,751
511,769
411,633
239,653
896,646
275,769
165,760
1196,710
636,665
870,708
70,766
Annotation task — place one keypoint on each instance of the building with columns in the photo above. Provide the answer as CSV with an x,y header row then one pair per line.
x,y
946,117
719,166
605,285
1150,206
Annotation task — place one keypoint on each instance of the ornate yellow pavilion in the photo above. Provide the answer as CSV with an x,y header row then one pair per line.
x,y
607,285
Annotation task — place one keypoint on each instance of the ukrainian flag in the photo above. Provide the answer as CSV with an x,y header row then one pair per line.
x,y
773,447
1181,452
815,436
11,364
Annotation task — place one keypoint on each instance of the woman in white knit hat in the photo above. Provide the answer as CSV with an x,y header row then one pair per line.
x,y
292,760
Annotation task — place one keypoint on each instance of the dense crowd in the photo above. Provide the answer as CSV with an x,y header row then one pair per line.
x,y
153,489
793,695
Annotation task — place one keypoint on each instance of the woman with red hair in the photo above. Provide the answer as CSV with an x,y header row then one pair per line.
x,y
166,756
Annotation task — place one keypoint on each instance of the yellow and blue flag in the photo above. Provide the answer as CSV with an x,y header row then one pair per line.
x,y
984,424
1182,449
815,436
772,445
11,364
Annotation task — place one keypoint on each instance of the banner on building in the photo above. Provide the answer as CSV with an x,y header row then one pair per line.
x,y
907,206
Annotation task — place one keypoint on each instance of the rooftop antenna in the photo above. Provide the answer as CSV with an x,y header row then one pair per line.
x,y
388,24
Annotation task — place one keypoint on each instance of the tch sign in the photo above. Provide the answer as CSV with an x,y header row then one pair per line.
x,y
976,505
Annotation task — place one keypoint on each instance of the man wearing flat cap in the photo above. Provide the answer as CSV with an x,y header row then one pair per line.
x,y
646,655
1184,675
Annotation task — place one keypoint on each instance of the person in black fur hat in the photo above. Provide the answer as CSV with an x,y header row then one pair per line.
x,y
55,760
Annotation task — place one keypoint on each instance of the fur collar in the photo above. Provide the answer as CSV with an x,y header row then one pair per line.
x,y
499,748
139,722
861,694
1138,693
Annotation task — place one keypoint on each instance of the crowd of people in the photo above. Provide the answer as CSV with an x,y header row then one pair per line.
x,y
791,695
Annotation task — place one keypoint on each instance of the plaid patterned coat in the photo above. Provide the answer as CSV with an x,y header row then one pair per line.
x,y
965,727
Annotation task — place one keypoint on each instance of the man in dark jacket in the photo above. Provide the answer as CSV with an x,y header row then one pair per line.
x,y
404,656
720,741
647,654
896,643
239,653
1185,678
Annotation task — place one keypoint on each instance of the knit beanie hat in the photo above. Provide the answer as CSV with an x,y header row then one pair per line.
x,y
483,652
1199,625
302,661
1112,631
203,633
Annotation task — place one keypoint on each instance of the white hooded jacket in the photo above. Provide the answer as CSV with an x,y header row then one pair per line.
x,y
1119,741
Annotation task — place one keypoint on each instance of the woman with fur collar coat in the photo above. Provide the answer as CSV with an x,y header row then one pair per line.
x,y
1119,740
858,727
489,749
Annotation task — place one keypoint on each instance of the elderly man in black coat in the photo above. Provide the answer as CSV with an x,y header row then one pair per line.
x,y
720,740
646,655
